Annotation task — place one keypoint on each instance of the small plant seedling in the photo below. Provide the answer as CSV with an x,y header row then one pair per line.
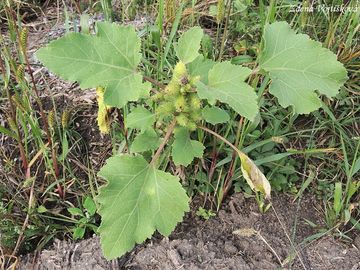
x,y
139,198
205,214
86,218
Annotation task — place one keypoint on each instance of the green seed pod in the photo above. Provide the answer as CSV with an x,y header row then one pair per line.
x,y
20,73
180,103
182,90
194,80
173,88
18,103
12,124
182,120
65,118
195,102
191,125
23,37
195,116
220,11
165,108
158,96
51,119
179,71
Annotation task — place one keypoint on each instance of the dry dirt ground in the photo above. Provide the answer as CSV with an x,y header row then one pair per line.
x,y
239,237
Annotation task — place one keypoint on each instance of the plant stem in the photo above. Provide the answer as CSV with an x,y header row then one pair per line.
x,y
31,199
23,49
223,139
228,180
153,81
170,130
13,117
223,40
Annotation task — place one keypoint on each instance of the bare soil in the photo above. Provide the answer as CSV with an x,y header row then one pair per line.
x,y
239,237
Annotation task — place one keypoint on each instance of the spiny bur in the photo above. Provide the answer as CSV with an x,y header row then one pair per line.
x,y
179,99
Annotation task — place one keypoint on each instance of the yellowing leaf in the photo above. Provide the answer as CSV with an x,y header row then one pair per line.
x,y
254,177
102,117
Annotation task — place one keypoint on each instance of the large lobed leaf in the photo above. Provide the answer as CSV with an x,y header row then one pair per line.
x,y
137,200
108,59
298,66
226,84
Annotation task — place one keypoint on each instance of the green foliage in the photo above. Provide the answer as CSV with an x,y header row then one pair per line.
x,y
146,140
108,59
201,67
137,200
179,99
188,45
86,218
226,84
184,150
215,115
140,118
205,214
298,66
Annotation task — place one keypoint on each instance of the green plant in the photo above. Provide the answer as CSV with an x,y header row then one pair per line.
x,y
204,213
140,198
340,209
86,218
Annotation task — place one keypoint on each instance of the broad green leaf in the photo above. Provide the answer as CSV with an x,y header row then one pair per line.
x,y
108,59
188,45
201,67
254,177
147,140
137,200
215,115
226,84
299,66
184,150
90,205
140,118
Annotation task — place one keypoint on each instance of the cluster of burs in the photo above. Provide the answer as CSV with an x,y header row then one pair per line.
x,y
179,99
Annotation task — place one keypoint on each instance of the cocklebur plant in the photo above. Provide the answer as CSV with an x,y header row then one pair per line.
x,y
138,197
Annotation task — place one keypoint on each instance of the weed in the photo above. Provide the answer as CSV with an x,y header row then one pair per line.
x,y
179,109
